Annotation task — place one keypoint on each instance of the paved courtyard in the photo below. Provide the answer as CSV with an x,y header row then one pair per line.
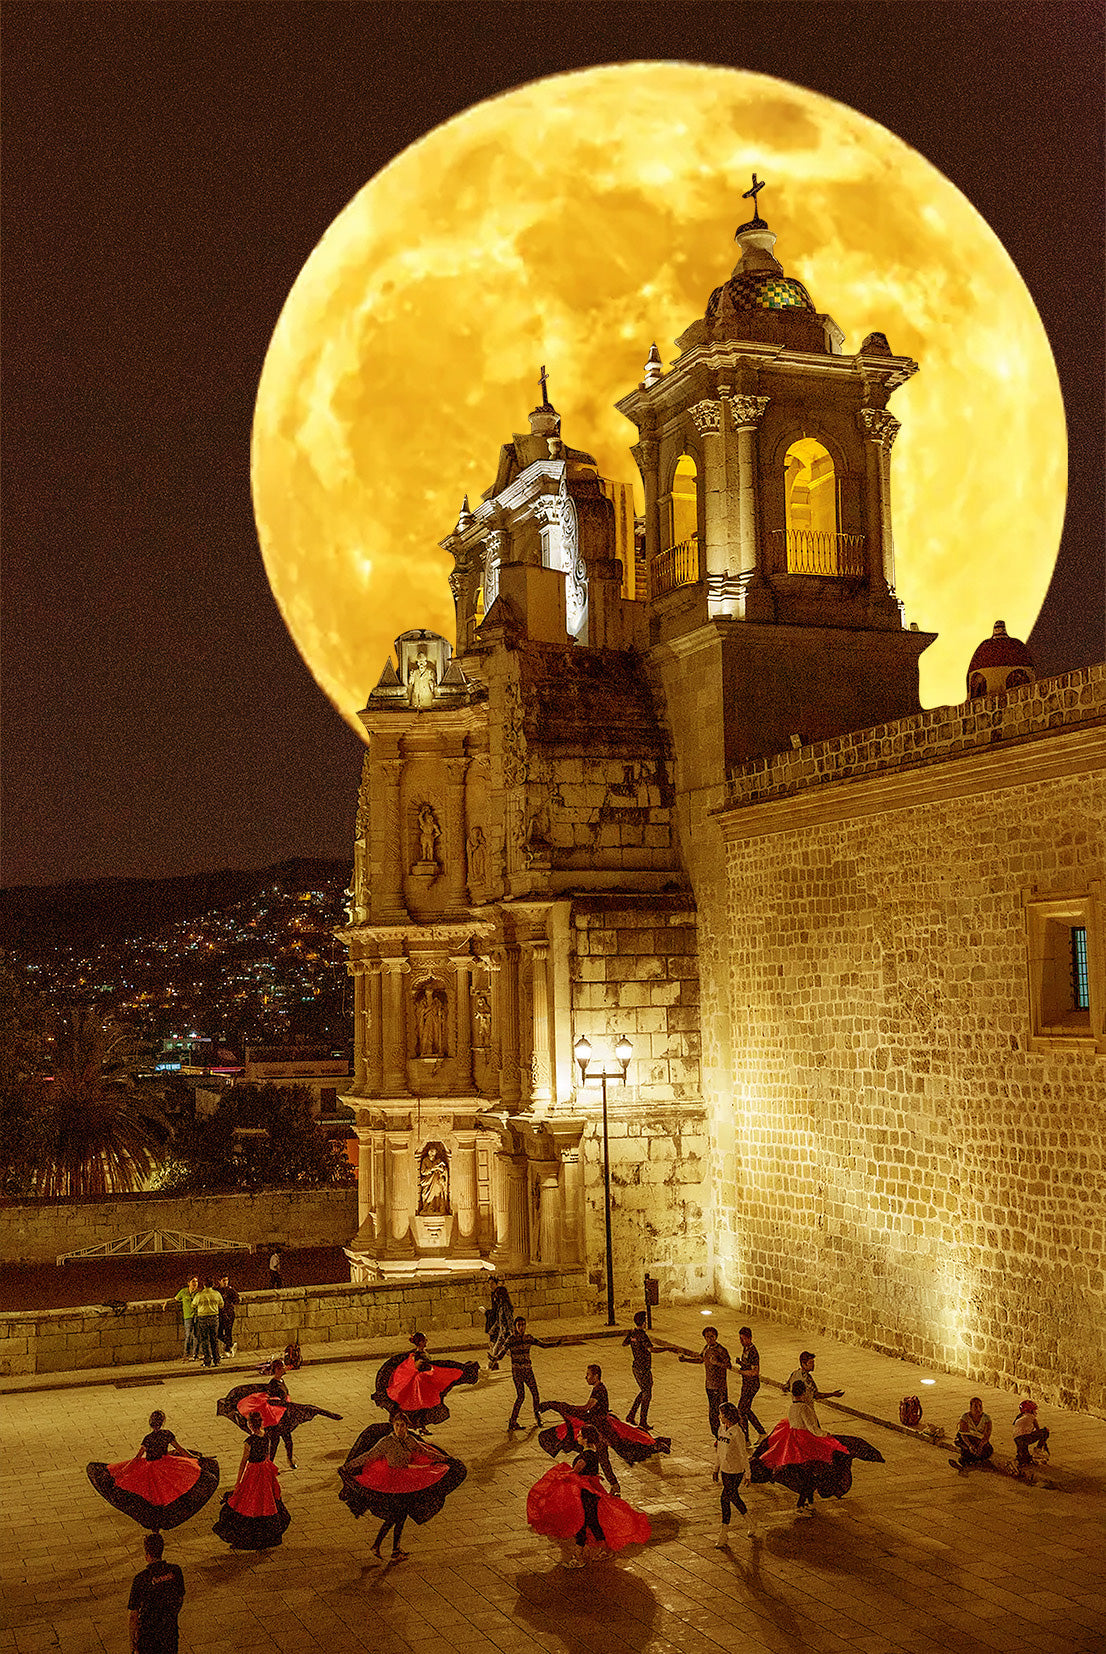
x,y
915,1559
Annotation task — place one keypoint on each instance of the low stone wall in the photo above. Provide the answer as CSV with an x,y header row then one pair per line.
x,y
39,1231
65,1340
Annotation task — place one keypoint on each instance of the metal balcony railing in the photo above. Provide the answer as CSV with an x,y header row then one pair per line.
x,y
678,566
816,551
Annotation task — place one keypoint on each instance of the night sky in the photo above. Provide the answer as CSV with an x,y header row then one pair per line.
x,y
168,170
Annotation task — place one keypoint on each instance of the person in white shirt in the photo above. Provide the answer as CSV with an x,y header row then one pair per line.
x,y
731,1461
801,1414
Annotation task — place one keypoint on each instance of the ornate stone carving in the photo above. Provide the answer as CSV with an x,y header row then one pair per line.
x,y
707,416
748,410
478,859
576,576
514,738
645,454
882,427
429,835
421,682
430,1016
433,1181
493,552
482,1018
547,511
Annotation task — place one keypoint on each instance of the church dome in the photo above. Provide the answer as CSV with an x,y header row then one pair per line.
x,y
760,290
761,301
1001,662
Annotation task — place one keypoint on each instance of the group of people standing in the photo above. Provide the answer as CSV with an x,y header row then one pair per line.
x,y
209,1313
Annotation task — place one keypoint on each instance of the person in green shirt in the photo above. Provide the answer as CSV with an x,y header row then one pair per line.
x,y
185,1299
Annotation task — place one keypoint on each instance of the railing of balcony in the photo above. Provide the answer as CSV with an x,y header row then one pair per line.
x,y
677,566
816,551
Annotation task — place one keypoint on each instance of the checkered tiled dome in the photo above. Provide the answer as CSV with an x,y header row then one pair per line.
x,y
761,290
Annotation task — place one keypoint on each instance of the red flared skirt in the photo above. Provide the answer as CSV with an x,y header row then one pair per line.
x,y
631,1443
554,1507
157,1493
258,1402
253,1517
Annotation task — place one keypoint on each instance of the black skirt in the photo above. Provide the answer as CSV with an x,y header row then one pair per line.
x,y
157,1493
405,1492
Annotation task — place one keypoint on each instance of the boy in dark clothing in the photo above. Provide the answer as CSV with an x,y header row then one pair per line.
x,y
155,1602
227,1315
641,1364
749,1368
715,1360
518,1348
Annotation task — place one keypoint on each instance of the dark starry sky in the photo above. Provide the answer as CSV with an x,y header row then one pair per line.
x,y
168,169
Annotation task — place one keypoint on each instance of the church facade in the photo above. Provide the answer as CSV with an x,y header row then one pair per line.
x,y
674,786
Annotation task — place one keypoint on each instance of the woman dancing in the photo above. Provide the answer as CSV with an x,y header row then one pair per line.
x,y
279,1415
499,1322
631,1443
163,1485
415,1384
569,1502
253,1516
393,1474
796,1457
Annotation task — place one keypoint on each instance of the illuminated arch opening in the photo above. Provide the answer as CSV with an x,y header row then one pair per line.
x,y
685,501
810,490
677,564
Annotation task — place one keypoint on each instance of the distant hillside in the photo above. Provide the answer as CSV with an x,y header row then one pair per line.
x,y
83,913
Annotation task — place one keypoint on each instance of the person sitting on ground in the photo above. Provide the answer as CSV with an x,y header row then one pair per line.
x,y
973,1437
1028,1432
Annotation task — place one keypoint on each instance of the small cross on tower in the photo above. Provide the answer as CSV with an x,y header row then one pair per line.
x,y
758,185
544,389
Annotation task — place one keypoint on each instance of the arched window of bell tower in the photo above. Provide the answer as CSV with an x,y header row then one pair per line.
x,y
814,545
684,501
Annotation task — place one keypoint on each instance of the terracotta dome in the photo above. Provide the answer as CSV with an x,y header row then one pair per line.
x,y
1001,662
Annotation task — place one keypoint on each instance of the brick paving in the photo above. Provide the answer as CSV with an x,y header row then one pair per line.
x,y
915,1559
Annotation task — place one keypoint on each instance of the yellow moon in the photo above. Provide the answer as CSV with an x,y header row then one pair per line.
x,y
573,221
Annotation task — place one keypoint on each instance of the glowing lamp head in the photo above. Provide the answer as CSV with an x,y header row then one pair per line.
x,y
624,1051
582,1052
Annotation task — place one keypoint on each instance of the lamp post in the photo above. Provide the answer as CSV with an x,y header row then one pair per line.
x,y
623,1052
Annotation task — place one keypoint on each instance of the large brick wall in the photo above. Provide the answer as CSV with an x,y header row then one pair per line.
x,y
892,1161
40,1231
635,972
66,1340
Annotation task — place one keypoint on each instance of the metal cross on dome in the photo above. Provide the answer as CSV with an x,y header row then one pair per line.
x,y
758,185
544,388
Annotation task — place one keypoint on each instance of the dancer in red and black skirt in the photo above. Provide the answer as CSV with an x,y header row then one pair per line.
x,y
394,1474
163,1485
415,1384
628,1441
279,1415
796,1457
253,1517
569,1502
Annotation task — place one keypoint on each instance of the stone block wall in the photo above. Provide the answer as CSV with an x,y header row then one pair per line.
x,y
893,1162
635,972
40,1231
66,1340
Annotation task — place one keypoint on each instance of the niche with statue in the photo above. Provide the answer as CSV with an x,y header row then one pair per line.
x,y
432,1223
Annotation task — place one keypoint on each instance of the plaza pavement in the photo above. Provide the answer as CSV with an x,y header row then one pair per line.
x,y
915,1559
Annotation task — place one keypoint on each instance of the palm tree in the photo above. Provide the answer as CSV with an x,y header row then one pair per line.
x,y
107,1133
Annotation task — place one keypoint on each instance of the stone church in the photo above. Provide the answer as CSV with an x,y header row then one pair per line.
x,y
673,786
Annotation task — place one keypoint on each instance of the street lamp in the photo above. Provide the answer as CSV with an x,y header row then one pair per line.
x,y
623,1052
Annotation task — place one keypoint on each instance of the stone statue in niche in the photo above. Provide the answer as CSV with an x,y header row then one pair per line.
x,y
482,1018
433,1181
420,683
478,858
429,834
430,1022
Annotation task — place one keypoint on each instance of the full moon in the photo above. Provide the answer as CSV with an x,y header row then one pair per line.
x,y
574,221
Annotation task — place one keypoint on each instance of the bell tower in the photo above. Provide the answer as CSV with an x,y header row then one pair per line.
x,y
764,451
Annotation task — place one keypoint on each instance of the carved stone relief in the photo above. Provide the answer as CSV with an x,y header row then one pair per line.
x,y
429,835
707,416
576,578
882,427
748,410
430,1020
482,1018
478,860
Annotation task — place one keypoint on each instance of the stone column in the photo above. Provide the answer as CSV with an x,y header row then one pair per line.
x,y
540,1062
394,1033
365,1191
361,1028
510,1075
454,841
573,1206
462,1044
463,1194
549,1217
714,548
881,429
645,454
400,1201
374,1054
514,1250
391,844
747,414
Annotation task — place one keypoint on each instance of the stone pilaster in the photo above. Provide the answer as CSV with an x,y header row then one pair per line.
x,y
549,1217
374,1029
390,894
463,1177
510,1073
541,1067
454,843
881,428
747,413
462,1042
394,1061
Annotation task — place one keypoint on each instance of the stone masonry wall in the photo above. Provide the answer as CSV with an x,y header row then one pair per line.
x,y
40,1231
65,1340
892,1162
635,972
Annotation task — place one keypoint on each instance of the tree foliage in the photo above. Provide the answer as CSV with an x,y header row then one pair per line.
x,y
260,1136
